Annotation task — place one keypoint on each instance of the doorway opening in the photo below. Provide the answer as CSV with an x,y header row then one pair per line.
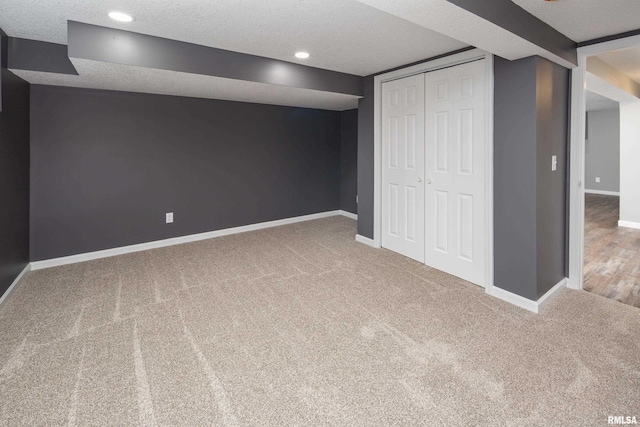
x,y
604,242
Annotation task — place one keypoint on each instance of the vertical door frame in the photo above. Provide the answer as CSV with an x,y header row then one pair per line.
x,y
448,61
577,153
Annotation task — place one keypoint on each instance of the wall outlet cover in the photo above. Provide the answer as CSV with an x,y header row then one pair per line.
x,y
169,217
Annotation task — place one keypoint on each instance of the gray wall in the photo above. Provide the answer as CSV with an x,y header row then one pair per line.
x,y
531,125
553,96
365,160
14,178
106,166
349,160
514,189
602,151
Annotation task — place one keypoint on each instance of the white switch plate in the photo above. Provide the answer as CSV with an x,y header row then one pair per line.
x,y
554,163
169,217
597,179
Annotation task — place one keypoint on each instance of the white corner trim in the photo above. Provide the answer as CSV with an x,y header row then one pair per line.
x,y
367,241
527,304
349,215
603,192
629,224
551,294
15,283
55,262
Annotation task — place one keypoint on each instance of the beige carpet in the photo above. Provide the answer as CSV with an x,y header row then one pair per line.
x,y
301,325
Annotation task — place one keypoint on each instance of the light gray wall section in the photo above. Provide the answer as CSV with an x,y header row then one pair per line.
x,y
365,160
602,151
552,126
35,55
515,267
349,160
124,47
515,19
106,167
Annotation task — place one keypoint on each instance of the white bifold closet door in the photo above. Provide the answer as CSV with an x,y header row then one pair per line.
x,y
403,166
455,171
433,169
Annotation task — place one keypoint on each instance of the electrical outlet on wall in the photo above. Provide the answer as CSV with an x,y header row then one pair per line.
x,y
169,217
597,179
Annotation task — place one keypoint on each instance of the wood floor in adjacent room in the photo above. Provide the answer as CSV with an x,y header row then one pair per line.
x,y
302,326
611,253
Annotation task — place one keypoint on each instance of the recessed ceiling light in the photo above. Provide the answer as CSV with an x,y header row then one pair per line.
x,y
119,16
302,55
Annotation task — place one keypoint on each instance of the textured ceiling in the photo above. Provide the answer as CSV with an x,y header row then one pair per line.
x,y
627,61
341,35
102,75
597,102
582,20
460,24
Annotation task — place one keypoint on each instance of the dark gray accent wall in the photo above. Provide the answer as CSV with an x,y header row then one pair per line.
x,y
36,55
365,160
124,47
14,178
515,19
514,154
107,166
349,160
4,49
530,126
552,129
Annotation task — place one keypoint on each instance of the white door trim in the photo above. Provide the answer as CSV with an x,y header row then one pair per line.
x,y
447,61
576,179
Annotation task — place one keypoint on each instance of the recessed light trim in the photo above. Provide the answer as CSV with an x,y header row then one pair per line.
x,y
119,16
302,55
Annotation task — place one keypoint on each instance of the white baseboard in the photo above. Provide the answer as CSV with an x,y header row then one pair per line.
x,y
367,241
72,259
603,192
527,304
15,283
629,224
349,215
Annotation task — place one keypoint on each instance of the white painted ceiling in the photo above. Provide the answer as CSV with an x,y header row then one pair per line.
x,y
602,87
583,20
456,22
595,102
627,61
359,37
340,35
